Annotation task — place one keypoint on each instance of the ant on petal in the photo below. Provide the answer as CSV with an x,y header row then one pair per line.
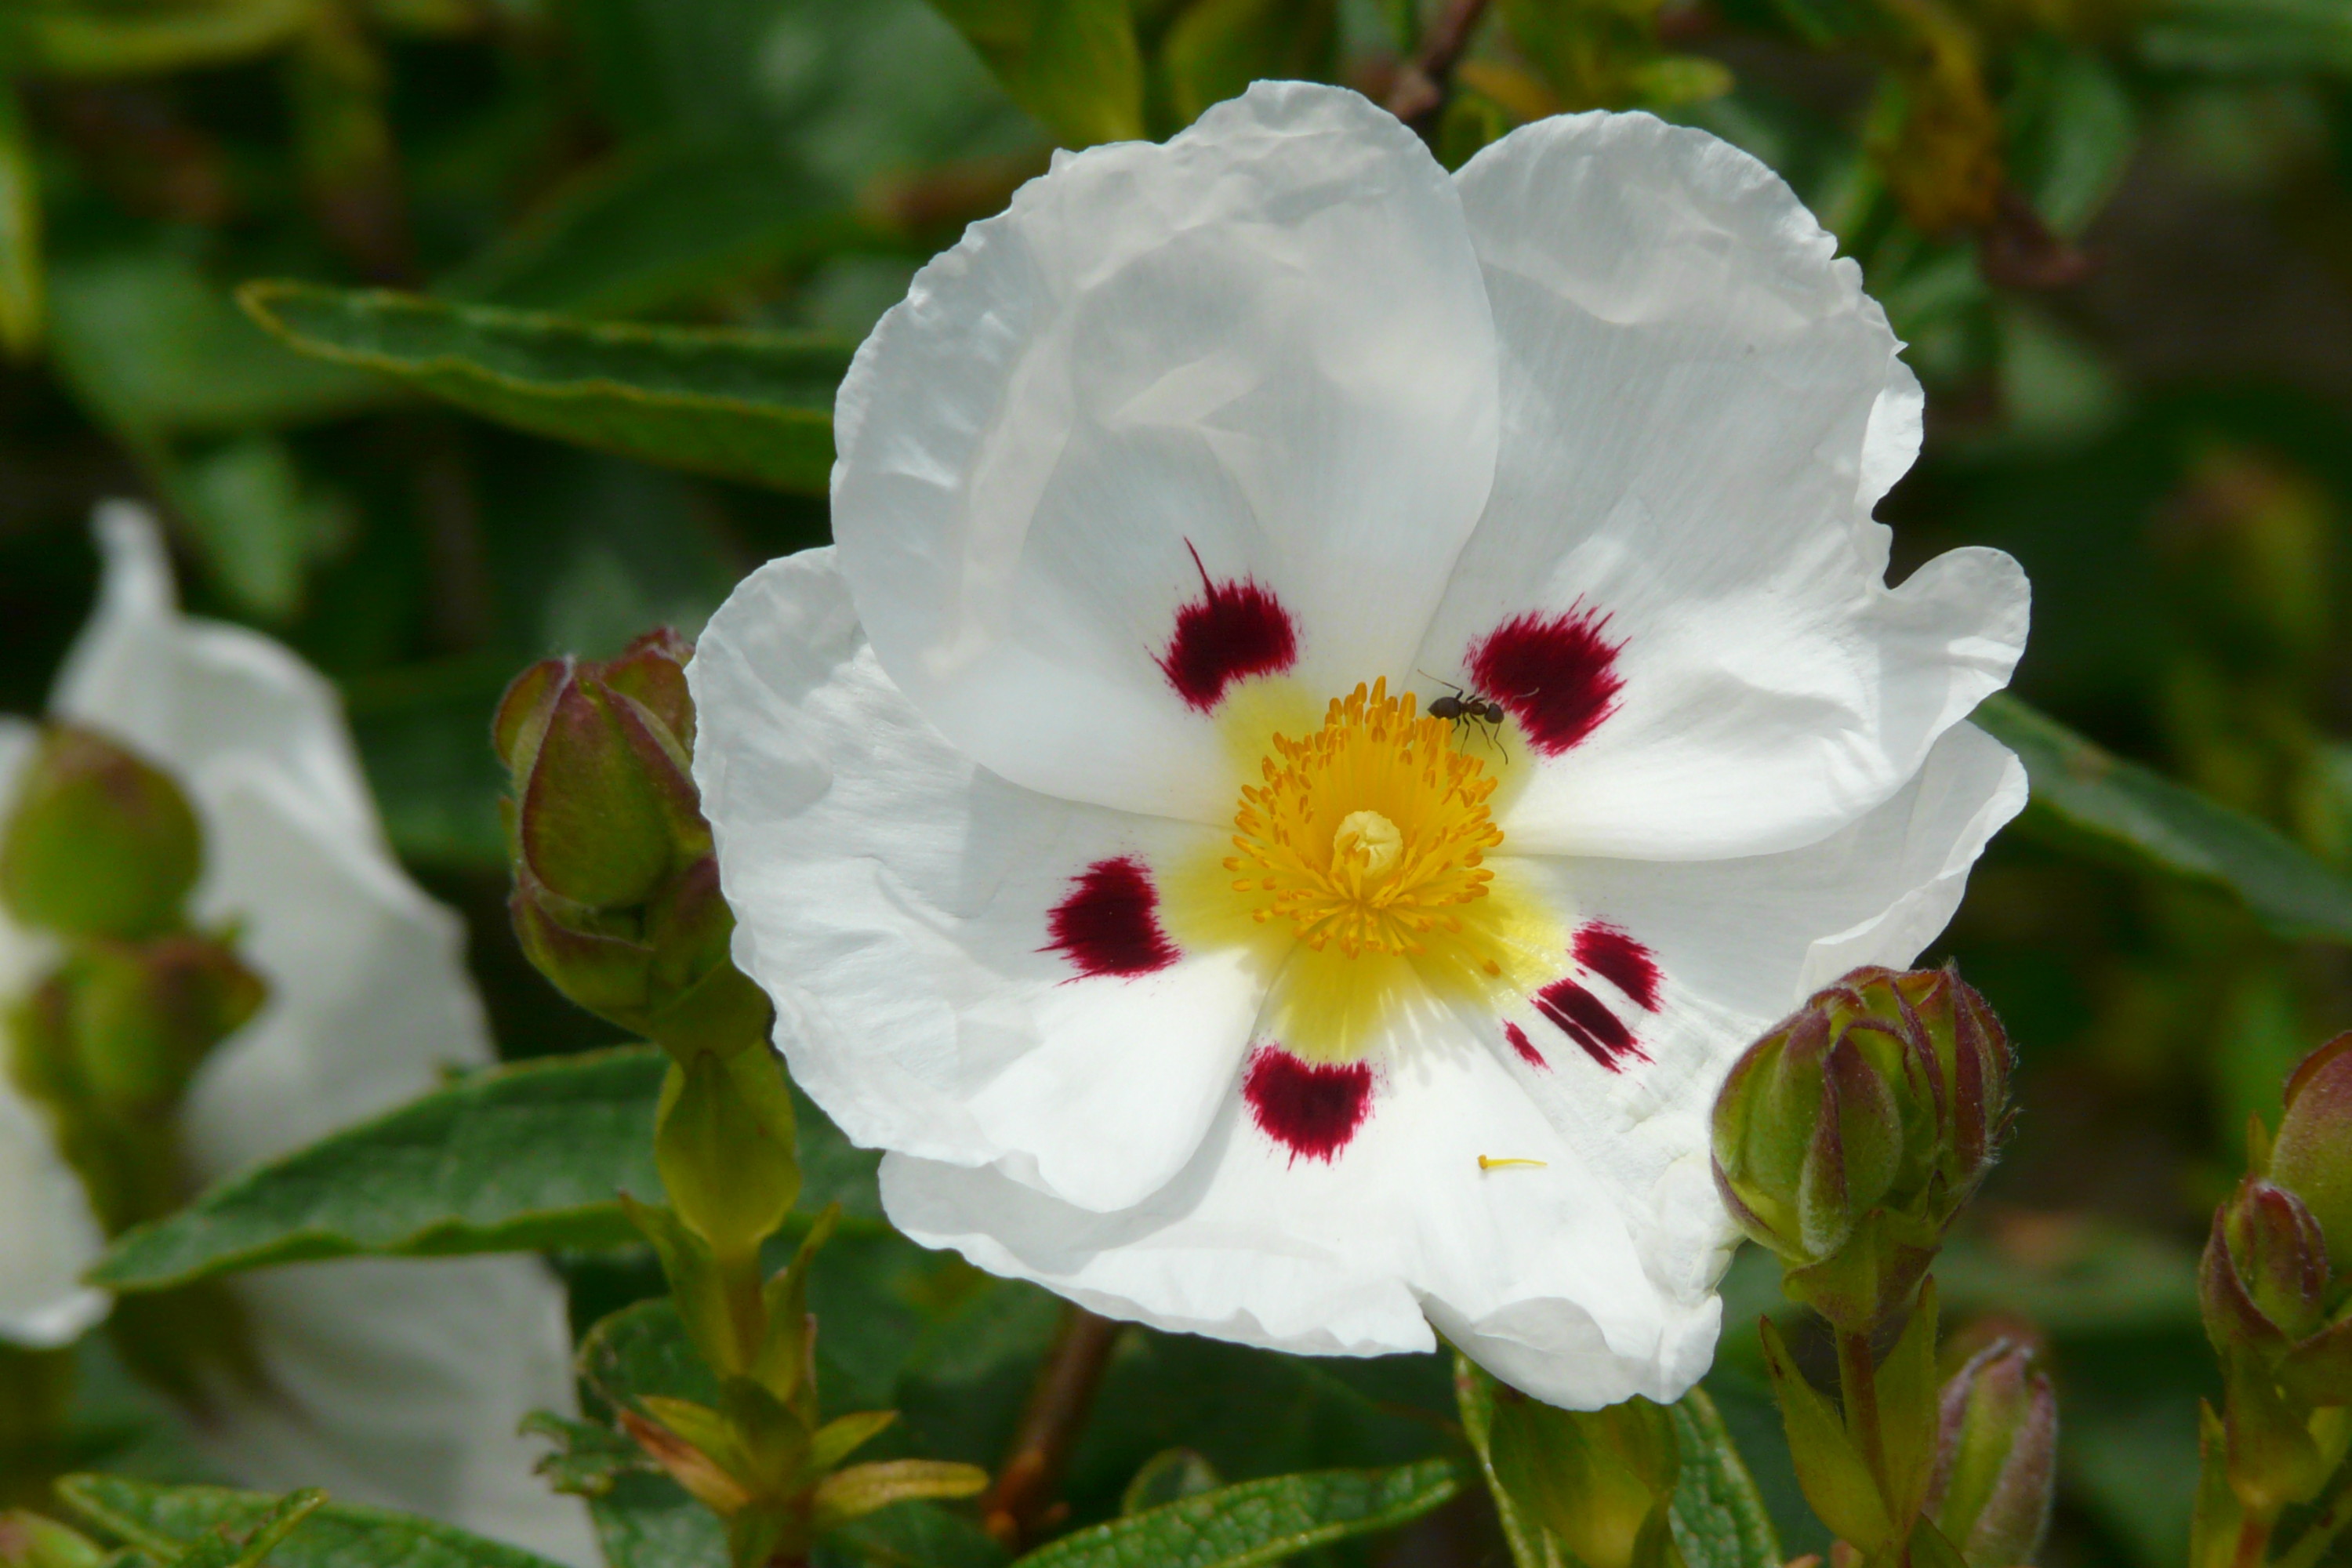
x,y
1467,707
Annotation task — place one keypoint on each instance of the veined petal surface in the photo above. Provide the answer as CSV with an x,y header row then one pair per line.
x,y
899,901
1677,569
407,1380
1184,413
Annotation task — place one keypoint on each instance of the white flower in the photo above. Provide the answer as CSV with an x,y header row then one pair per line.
x,y
393,1383
1209,1005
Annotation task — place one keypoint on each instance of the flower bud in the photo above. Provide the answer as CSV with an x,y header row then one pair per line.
x,y
1598,1479
100,844
616,893
2312,1156
2263,1278
723,1141
1996,1468
1847,1138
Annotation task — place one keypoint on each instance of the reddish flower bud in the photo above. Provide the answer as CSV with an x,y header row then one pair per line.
x,y
2263,1278
1996,1472
1847,1138
101,843
616,893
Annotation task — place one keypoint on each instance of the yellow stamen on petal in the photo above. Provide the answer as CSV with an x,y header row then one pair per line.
x,y
1367,834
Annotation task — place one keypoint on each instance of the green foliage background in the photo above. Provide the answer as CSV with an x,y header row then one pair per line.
x,y
2118,235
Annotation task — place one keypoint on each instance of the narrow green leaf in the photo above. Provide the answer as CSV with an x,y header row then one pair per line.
x,y
165,1521
93,42
1529,1545
1719,1517
1215,49
1837,1482
515,1158
1074,63
2254,37
21,308
754,406
861,1490
221,1549
2130,813
1259,1521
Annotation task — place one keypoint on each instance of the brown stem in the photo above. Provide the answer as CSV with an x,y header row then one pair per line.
x,y
1420,90
1058,1403
2254,1542
1858,1383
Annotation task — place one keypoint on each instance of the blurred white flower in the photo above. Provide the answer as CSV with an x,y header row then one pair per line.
x,y
1344,698
393,1383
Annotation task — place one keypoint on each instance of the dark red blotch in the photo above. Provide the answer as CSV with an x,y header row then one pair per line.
x,y
1109,922
1235,629
1556,674
1586,1019
1309,1109
1620,961
1525,1046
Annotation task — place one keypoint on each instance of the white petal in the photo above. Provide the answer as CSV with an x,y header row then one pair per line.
x,y
1532,1266
895,898
1700,407
1265,340
48,1233
1741,942
368,1003
199,693
401,1383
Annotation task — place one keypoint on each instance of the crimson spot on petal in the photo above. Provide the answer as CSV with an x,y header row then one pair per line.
x,y
1525,1046
1109,923
1557,674
1307,1108
1586,1019
1234,630
1620,961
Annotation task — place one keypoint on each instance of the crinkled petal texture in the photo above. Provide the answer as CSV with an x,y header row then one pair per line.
x,y
48,1235
396,1382
1195,439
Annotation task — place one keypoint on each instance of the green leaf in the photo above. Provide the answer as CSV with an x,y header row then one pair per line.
x,y
158,348
2254,37
754,406
256,524
1074,63
1837,1481
1215,49
656,225
165,1521
512,1159
21,308
1719,1517
222,1550
2125,812
1259,1521
88,41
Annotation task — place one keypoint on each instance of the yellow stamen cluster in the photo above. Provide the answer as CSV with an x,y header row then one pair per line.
x,y
1367,834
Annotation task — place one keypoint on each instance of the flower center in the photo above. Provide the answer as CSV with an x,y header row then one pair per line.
x,y
1368,835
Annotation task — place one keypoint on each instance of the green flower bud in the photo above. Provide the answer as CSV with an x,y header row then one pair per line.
x,y
724,1143
102,842
616,893
2264,1279
1601,1480
1846,1139
2312,1156
1996,1470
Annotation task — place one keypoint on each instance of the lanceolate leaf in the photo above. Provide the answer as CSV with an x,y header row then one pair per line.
x,y
163,1523
1074,63
754,406
2127,812
514,1159
1259,1521
1719,1517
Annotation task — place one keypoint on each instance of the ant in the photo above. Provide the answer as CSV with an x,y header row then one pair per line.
x,y
1468,706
